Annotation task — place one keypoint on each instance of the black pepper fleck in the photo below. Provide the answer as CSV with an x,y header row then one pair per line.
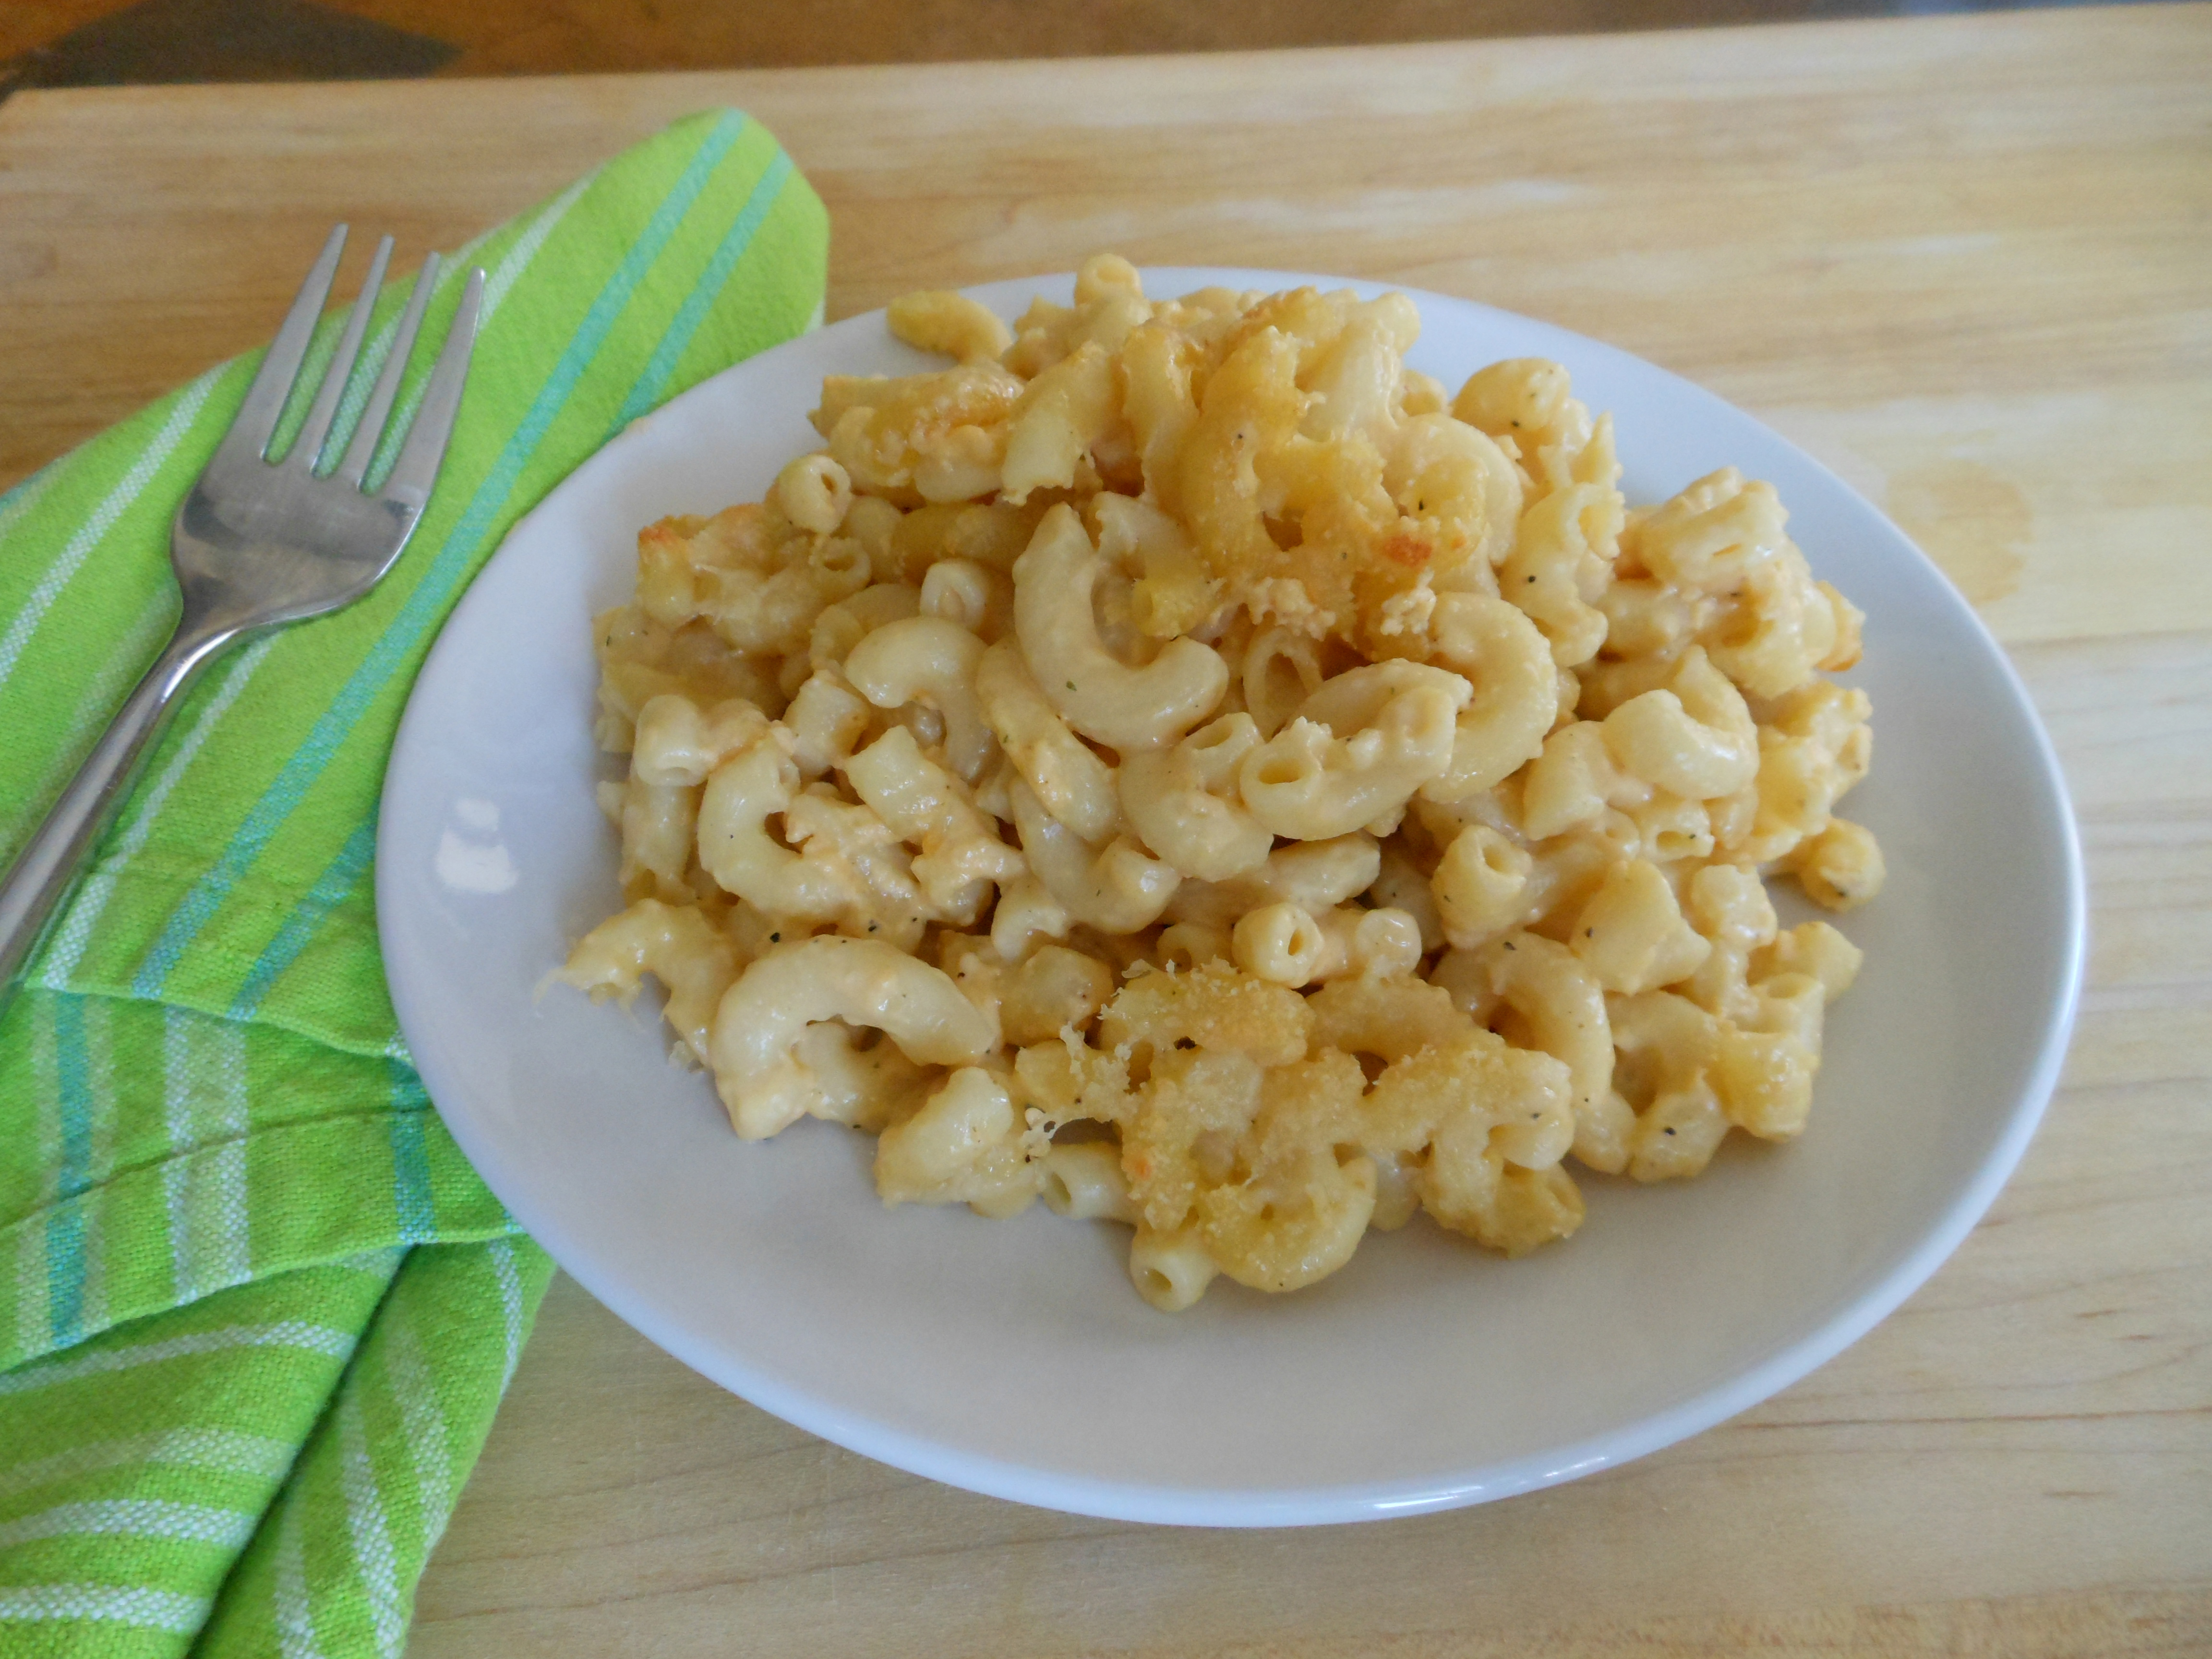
x,y
775,938
1670,1132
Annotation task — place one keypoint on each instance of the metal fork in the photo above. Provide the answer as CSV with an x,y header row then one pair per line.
x,y
259,544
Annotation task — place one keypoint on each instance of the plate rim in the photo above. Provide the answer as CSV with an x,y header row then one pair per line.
x,y
1142,1502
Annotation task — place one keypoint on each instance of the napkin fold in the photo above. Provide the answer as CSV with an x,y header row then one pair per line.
x,y
256,1310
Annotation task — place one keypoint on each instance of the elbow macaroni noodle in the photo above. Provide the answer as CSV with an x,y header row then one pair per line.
x,y
1174,764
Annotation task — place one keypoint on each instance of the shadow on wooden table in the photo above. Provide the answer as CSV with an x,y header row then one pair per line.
x,y
106,43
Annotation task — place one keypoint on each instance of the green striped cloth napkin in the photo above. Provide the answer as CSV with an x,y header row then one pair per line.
x,y
256,1310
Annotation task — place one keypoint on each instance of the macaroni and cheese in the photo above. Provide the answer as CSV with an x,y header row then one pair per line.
x,y
1180,763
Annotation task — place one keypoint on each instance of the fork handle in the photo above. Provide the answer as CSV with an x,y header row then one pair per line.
x,y
43,874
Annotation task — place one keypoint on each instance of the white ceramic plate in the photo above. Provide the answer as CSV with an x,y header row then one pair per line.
x,y
1012,1358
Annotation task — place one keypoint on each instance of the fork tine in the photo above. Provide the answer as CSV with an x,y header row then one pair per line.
x,y
370,431
417,469
309,448
264,399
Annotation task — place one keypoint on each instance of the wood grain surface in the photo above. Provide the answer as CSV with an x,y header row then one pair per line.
x,y
1966,261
